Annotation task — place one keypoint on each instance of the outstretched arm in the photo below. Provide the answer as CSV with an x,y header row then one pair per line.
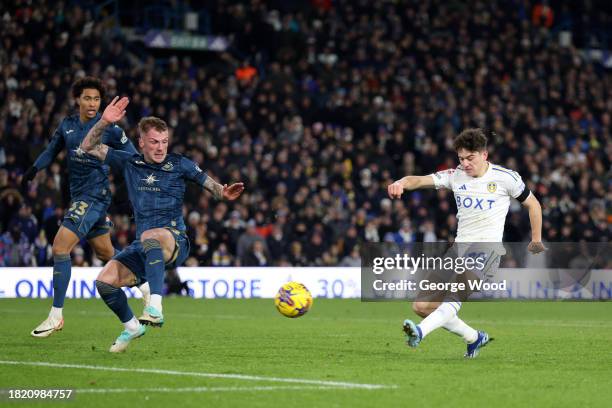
x,y
114,112
192,172
56,144
535,218
396,189
223,192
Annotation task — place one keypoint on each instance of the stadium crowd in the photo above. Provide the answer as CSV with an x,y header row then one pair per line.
x,y
317,107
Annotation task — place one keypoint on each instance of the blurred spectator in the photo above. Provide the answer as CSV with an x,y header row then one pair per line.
x,y
221,256
296,257
277,243
42,250
15,250
244,248
27,222
352,259
78,257
403,235
256,255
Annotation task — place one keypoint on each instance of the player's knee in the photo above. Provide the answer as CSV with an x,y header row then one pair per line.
x,y
105,255
150,235
60,249
109,275
105,288
106,279
421,308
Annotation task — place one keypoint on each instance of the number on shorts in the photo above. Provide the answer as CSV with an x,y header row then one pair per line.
x,y
78,207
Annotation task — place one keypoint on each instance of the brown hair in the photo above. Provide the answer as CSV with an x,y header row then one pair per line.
x,y
87,82
472,140
151,122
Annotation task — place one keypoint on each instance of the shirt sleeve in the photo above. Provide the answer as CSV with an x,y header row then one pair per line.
x,y
443,179
516,187
116,138
192,172
56,144
117,159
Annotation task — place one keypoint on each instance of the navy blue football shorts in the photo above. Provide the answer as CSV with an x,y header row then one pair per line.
x,y
133,256
87,218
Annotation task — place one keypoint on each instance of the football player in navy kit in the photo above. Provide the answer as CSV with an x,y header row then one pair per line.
x,y
156,187
89,193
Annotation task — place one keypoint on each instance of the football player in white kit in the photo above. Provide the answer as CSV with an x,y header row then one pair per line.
x,y
482,193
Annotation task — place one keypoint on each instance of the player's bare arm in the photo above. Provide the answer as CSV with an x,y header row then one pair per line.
x,y
535,218
223,192
114,112
396,189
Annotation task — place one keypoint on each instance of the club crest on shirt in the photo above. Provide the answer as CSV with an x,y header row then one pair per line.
x,y
492,187
168,166
149,184
79,151
150,180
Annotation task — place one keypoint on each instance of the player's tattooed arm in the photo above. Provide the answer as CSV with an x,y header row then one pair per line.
x,y
92,142
223,192
114,112
214,188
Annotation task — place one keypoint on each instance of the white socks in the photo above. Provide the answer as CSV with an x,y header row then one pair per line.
x,y
146,293
460,328
132,325
439,317
156,302
56,312
446,316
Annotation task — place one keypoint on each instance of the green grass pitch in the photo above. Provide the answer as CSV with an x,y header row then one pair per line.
x,y
237,352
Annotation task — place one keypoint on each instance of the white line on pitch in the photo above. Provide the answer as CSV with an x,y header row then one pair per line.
x,y
199,374
507,322
101,313
207,389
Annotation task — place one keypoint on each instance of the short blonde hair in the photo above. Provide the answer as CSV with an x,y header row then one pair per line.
x,y
151,122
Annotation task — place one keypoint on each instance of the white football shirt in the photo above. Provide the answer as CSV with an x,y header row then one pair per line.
x,y
482,202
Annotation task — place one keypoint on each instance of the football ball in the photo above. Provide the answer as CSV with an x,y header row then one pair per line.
x,y
293,299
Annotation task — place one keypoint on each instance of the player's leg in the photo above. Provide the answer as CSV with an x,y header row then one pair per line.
x,y
78,221
441,318
435,315
424,308
487,273
430,304
461,329
100,241
444,314
103,247
159,247
109,282
64,241
439,308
